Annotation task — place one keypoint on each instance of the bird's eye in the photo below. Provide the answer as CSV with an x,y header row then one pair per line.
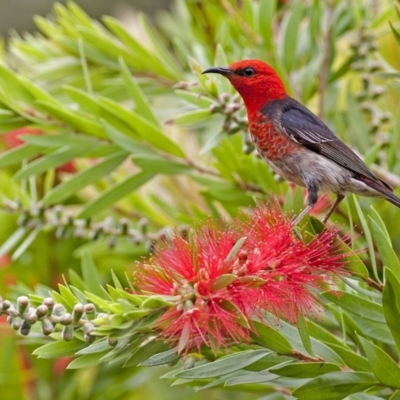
x,y
249,72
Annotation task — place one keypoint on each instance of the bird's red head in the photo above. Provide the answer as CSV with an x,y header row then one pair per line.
x,y
255,80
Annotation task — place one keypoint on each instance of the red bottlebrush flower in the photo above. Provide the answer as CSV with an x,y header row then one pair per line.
x,y
222,277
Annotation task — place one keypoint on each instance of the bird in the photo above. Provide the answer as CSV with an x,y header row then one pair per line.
x,y
297,144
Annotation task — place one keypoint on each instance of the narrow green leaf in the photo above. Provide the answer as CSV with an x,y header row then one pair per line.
x,y
114,193
368,237
383,367
84,178
87,102
351,359
90,274
391,305
224,365
163,358
335,386
250,377
142,106
59,349
305,370
52,160
86,361
160,165
304,335
267,13
190,117
384,244
26,243
73,119
291,35
357,305
146,351
18,154
127,142
99,346
12,241
60,140
143,128
270,338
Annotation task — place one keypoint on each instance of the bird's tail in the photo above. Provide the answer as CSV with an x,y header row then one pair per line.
x,y
383,188
391,197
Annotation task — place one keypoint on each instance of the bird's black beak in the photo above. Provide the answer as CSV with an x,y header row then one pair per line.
x,y
218,70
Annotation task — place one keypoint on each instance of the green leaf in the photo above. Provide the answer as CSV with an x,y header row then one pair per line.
x,y
84,178
384,244
18,154
383,367
224,365
114,193
52,160
190,117
73,119
391,305
305,370
351,359
163,358
270,338
335,386
368,237
304,335
143,128
291,35
60,140
144,352
99,346
142,106
251,377
159,165
12,241
26,243
357,305
87,102
90,274
86,361
266,18
60,349
127,142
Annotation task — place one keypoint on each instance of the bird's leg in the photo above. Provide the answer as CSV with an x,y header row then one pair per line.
x,y
312,197
339,198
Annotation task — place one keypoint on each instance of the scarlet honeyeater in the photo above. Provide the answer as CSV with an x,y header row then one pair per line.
x,y
296,143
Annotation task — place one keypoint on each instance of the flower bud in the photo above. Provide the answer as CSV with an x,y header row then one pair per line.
x,y
142,225
49,303
16,322
124,225
112,341
90,311
22,304
31,318
77,312
66,319
47,327
42,311
58,310
67,333
5,305
25,328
